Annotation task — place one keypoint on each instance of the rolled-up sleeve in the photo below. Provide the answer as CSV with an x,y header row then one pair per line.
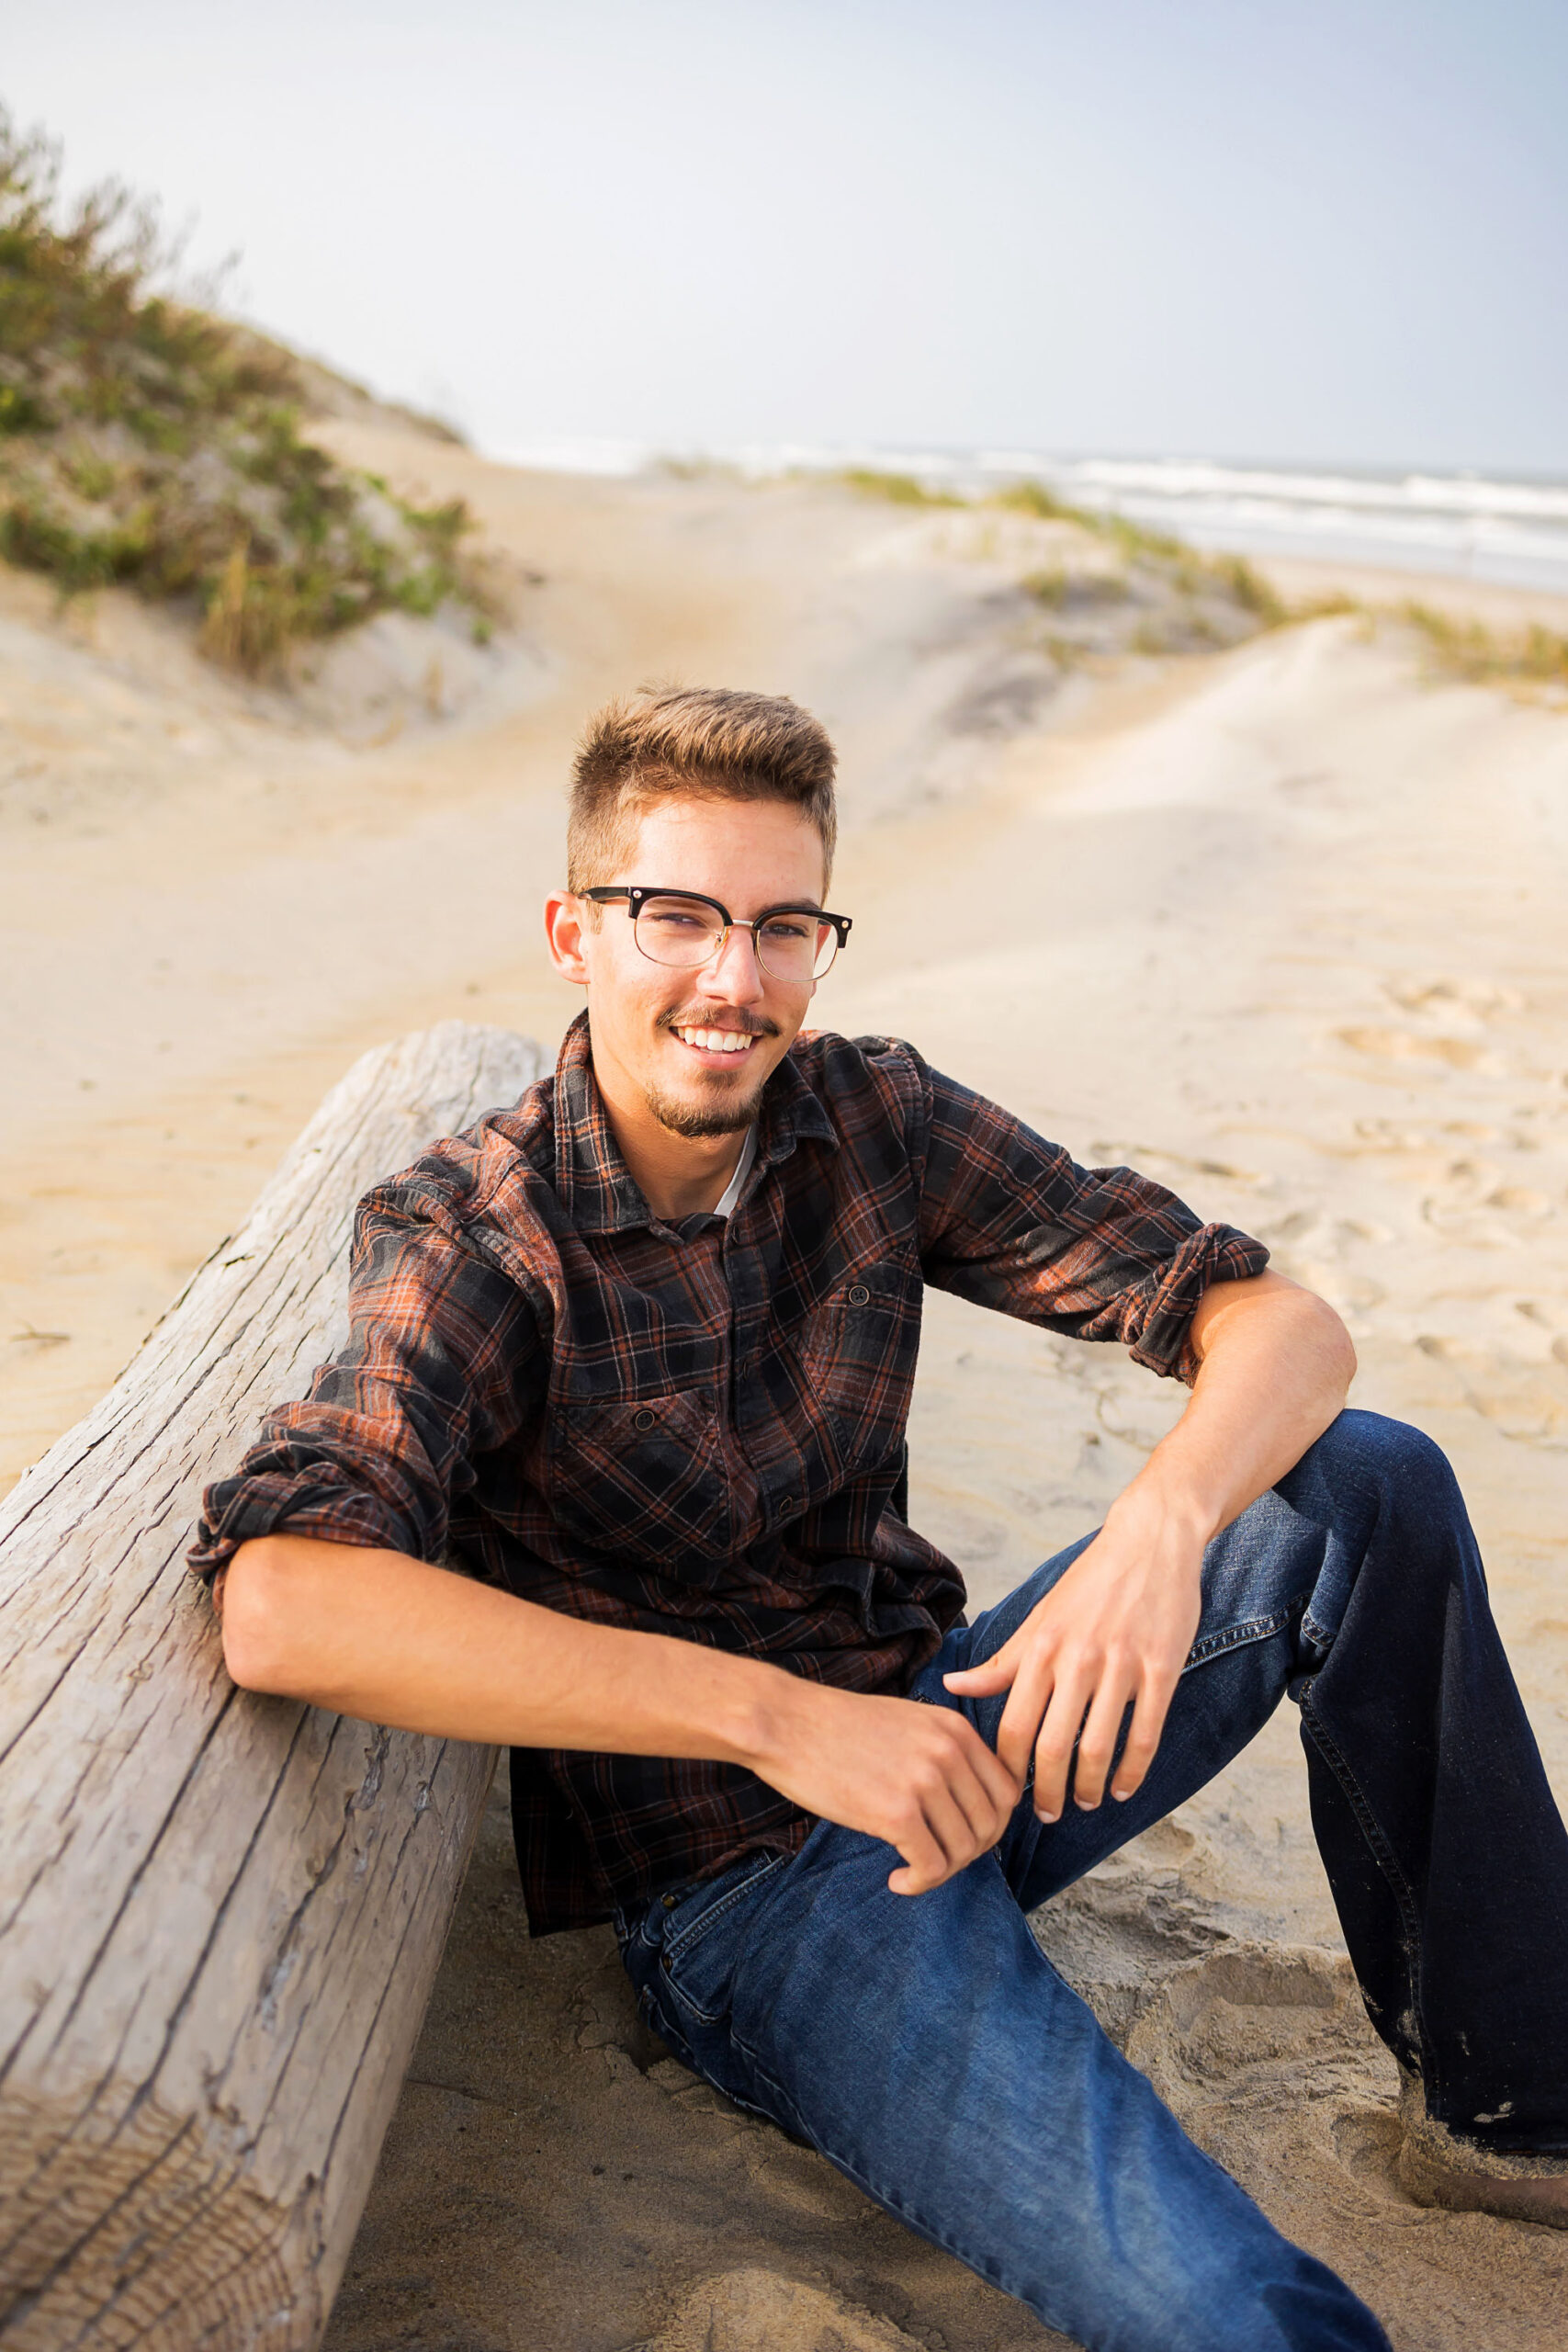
x,y
1012,1222
434,1373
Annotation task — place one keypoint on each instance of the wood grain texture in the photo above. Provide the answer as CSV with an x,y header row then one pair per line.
x,y
221,1915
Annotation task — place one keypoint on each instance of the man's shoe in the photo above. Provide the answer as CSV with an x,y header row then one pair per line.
x,y
1436,2169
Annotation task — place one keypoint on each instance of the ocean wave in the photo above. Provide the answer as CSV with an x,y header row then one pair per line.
x,y
1514,532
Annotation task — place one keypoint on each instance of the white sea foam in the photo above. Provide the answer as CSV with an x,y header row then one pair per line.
x,y
1515,532
581,455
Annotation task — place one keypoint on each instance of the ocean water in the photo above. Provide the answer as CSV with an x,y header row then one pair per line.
x,y
1471,526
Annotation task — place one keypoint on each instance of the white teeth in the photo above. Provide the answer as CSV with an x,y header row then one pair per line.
x,y
715,1041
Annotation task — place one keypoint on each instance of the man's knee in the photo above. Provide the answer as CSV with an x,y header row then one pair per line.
x,y
1369,1456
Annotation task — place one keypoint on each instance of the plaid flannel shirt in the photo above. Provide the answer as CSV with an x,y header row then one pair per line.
x,y
698,1428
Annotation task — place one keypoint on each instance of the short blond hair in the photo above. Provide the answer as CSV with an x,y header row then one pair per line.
x,y
712,740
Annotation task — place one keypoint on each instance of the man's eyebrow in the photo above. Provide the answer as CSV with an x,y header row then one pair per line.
x,y
794,907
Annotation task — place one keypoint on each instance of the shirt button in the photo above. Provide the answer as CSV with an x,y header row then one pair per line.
x,y
645,1420
859,1295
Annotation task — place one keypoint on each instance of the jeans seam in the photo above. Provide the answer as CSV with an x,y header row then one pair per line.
x,y
1318,1636
689,1938
687,1943
1226,1638
1384,1854
703,2017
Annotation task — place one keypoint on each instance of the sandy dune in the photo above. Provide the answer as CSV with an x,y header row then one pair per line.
x,y
1282,924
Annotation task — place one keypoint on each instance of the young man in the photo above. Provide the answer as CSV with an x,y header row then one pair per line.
x,y
639,1353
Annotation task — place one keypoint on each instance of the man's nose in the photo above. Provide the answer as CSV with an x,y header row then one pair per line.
x,y
735,974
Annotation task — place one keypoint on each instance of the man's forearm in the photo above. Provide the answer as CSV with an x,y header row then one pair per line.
x,y
393,1640
1276,1364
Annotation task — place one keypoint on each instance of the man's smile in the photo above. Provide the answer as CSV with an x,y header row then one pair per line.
x,y
720,1037
717,1046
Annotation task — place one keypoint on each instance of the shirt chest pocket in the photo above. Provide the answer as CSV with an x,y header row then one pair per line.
x,y
644,1478
858,1356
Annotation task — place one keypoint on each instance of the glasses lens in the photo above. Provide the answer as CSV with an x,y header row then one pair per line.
x,y
673,929
796,947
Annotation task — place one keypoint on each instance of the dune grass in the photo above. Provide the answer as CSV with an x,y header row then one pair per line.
x,y
145,442
1535,656
1056,587
1034,498
899,490
1186,565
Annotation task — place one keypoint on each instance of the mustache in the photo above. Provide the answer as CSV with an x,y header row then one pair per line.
x,y
720,1017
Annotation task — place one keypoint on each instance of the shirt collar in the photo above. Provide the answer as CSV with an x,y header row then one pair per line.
x,y
594,1183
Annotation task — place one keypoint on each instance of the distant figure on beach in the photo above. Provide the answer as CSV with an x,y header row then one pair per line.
x,y
637,1354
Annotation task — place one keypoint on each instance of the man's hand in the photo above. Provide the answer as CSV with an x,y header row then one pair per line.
x,y
1274,1365
1113,1633
920,1778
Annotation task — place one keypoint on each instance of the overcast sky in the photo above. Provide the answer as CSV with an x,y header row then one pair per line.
x,y
1312,230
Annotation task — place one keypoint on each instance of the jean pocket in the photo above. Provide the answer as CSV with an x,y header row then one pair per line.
x,y
705,1936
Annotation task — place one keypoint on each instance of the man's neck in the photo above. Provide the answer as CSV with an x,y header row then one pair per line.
x,y
677,1175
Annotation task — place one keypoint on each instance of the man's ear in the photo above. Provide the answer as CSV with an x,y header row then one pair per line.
x,y
565,926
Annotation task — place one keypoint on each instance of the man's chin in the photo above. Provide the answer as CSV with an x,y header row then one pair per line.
x,y
722,1113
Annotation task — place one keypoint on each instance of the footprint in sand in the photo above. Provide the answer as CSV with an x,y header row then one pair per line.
x,y
1467,1001
1367,2140
1406,1044
1390,1135
1474,1201
1522,1402
1458,1012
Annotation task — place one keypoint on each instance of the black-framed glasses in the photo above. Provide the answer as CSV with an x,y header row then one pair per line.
x,y
683,928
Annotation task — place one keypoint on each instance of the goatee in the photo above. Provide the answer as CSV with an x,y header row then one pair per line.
x,y
695,1120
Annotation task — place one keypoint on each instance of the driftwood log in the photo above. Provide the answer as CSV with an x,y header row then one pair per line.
x,y
221,1915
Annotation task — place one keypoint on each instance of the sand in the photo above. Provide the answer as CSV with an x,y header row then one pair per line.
x,y
1280,924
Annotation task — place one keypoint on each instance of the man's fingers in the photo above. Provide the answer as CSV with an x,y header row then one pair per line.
x,y
1143,1738
961,1800
984,1681
937,1846
1003,1786
1054,1748
1097,1741
906,1879
952,1829
1027,1703
925,1864
986,1792
963,1780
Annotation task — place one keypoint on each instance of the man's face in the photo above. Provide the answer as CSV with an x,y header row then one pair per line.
x,y
699,1046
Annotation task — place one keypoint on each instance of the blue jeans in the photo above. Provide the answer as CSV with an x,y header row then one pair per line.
x,y
927,2047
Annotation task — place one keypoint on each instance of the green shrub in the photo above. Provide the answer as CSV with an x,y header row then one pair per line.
x,y
145,441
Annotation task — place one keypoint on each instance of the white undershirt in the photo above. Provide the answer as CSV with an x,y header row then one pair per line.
x,y
742,1170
